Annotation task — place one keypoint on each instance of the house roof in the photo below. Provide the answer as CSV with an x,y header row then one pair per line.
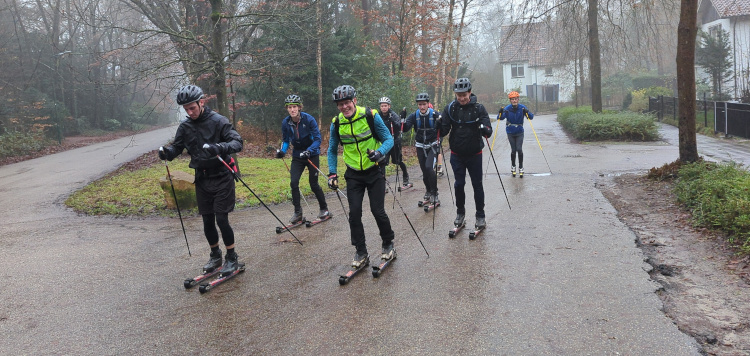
x,y
731,8
528,42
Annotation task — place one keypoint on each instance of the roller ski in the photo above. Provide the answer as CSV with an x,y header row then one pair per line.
x,y
209,270
230,269
360,262
296,220
520,173
478,228
432,204
404,187
458,225
388,255
425,200
323,216
513,171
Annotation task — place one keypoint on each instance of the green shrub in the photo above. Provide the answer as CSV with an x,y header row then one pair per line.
x,y
639,102
719,197
15,143
589,126
567,111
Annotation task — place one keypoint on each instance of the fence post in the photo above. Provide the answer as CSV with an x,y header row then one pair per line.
x,y
705,111
726,121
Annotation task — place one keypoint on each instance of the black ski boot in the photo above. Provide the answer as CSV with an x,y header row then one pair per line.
x,y
434,199
324,213
360,260
427,196
406,180
459,219
513,170
481,223
297,217
388,252
213,263
230,265
520,172
440,170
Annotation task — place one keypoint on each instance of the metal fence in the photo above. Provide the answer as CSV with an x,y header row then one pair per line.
x,y
733,119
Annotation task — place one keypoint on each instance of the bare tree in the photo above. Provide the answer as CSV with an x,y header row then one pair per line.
x,y
686,33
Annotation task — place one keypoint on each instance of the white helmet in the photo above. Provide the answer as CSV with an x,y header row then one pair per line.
x,y
385,99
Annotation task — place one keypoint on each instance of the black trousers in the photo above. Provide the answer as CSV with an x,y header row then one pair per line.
x,y
426,163
472,164
372,181
295,170
396,157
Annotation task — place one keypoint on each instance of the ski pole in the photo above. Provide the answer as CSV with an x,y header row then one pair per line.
x,y
403,211
175,203
498,173
450,187
492,147
256,195
539,143
337,190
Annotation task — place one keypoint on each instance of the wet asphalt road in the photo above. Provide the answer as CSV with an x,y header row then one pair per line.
x,y
558,274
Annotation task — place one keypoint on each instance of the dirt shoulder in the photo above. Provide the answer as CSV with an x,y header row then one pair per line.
x,y
706,287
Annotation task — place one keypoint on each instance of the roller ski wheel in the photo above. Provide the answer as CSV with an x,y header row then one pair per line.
x,y
311,223
477,231
455,230
192,282
422,203
429,207
353,271
211,285
404,187
377,270
280,229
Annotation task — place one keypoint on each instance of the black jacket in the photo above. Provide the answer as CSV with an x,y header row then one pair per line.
x,y
392,122
210,127
462,122
426,133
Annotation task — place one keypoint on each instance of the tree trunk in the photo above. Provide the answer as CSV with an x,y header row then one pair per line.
x,y
366,17
319,57
595,61
442,62
686,32
217,47
458,38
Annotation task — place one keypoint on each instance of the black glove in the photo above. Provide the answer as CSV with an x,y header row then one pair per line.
x,y
485,131
162,154
280,154
212,149
305,154
403,114
333,181
500,114
374,155
526,112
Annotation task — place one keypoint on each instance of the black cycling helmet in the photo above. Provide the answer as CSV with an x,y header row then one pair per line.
x,y
189,94
344,92
462,85
385,99
423,97
293,100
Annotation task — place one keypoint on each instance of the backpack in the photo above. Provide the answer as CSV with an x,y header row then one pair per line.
x,y
419,120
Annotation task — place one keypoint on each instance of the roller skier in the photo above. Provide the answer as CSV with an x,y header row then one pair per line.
x,y
515,113
393,122
300,130
360,130
426,123
468,123
207,135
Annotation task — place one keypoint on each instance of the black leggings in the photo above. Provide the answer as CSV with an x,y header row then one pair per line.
x,y
516,145
295,171
209,228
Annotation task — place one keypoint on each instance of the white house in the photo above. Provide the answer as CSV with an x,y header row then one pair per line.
x,y
732,16
530,65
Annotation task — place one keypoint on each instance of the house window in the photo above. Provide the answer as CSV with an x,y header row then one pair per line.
x,y
715,31
516,70
548,72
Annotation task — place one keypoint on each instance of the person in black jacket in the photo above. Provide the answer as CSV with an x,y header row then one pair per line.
x,y
426,122
393,122
467,121
214,182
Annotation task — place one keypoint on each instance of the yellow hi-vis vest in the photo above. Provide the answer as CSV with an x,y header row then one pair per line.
x,y
356,136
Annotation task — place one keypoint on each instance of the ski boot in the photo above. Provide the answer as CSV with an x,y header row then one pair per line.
x,y
513,171
425,199
458,224
296,217
214,262
433,203
360,260
440,170
479,226
324,214
388,255
406,180
359,263
230,264
520,172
